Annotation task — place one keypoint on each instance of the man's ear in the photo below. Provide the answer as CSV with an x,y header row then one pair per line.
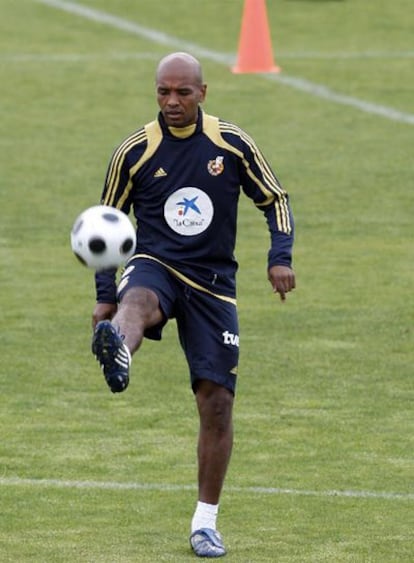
x,y
203,90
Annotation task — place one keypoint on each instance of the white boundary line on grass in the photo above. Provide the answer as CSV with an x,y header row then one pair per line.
x,y
160,38
118,486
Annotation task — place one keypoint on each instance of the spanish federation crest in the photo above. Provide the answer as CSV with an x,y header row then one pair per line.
x,y
216,167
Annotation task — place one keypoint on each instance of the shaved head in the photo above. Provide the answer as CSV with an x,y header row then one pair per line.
x,y
181,63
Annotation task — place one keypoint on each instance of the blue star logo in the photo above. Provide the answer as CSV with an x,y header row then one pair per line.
x,y
189,204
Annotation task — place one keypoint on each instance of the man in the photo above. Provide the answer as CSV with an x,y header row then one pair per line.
x,y
182,175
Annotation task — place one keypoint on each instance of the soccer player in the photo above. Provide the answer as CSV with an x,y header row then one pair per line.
x,y
182,174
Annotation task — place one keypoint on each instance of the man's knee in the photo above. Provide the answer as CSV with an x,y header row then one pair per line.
x,y
142,303
215,403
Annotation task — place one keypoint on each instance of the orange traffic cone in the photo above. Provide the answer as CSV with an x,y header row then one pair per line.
x,y
255,45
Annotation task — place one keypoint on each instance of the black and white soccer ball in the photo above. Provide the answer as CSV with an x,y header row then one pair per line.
x,y
103,237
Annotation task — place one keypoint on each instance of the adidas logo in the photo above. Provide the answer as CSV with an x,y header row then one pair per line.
x,y
160,172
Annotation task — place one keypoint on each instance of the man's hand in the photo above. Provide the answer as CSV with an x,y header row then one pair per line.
x,y
103,312
282,279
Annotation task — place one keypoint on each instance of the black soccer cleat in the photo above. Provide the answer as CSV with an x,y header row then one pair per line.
x,y
113,356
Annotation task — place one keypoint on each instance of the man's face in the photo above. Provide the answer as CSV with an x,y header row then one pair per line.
x,y
179,93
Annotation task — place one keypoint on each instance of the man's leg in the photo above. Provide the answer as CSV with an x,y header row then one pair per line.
x,y
114,341
215,405
138,310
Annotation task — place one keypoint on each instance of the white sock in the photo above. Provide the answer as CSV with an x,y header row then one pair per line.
x,y
205,516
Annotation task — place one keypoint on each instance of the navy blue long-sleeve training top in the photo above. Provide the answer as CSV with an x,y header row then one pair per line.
x,y
183,186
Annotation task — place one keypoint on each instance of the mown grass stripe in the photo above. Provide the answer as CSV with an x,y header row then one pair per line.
x,y
114,485
142,55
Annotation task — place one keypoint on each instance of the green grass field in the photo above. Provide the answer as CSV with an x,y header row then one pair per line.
x,y
323,465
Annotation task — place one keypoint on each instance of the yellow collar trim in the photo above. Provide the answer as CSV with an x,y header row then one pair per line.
x,y
183,132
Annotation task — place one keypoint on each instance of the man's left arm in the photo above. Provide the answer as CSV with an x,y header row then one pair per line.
x,y
280,272
261,185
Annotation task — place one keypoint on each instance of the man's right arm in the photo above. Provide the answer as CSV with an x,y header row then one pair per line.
x,y
106,301
113,194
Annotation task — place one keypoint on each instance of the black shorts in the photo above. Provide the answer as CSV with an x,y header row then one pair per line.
x,y
207,323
